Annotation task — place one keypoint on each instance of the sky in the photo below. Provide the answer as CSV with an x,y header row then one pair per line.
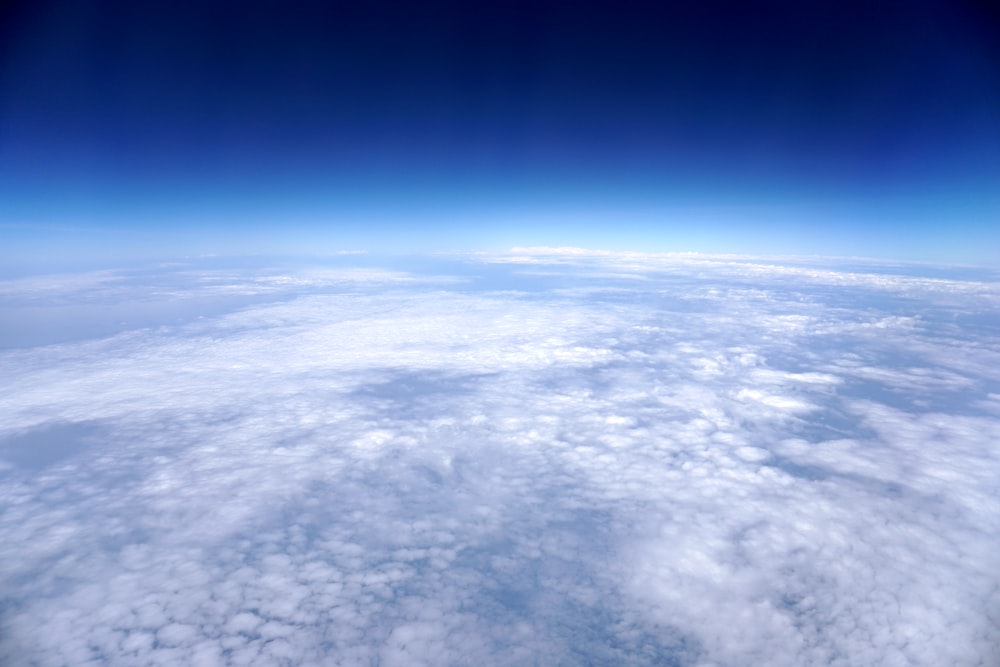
x,y
454,333
547,456
165,128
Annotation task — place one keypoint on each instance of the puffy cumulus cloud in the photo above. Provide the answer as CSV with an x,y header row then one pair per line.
x,y
707,466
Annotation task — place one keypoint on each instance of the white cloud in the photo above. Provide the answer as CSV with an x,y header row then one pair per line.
x,y
709,466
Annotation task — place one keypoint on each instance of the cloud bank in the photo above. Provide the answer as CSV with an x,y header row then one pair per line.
x,y
552,458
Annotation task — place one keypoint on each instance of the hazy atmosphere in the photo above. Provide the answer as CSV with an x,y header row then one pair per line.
x,y
523,333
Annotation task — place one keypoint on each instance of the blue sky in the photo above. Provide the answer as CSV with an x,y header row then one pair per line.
x,y
142,131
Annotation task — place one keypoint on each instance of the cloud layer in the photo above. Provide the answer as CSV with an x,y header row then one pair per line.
x,y
551,457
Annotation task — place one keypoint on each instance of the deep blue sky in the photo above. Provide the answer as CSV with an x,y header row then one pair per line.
x,y
183,127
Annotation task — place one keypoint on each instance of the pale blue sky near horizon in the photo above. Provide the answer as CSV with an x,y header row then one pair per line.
x,y
931,231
